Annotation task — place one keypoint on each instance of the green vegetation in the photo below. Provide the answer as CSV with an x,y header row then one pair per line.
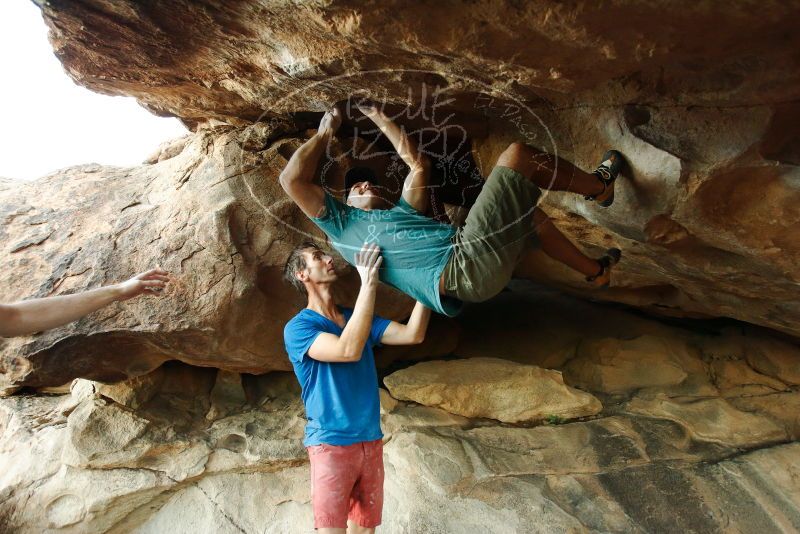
x,y
553,419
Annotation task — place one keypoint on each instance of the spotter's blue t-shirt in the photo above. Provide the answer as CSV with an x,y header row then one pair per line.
x,y
415,248
341,398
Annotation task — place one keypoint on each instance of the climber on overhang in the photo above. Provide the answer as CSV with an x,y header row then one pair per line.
x,y
35,315
436,263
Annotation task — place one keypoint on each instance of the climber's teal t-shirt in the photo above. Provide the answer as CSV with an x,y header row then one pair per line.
x,y
415,248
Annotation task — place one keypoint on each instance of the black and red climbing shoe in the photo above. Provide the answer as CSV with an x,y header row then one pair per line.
x,y
603,276
607,173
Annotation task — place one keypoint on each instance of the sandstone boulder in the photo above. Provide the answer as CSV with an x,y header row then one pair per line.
x,y
81,389
714,420
614,474
618,366
175,65
105,466
706,211
783,408
228,395
775,358
406,417
696,433
736,378
261,502
135,391
388,403
492,388
103,434
247,472
213,215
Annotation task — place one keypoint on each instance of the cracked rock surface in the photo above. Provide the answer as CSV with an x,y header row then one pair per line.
x,y
706,213
188,449
703,100
214,215
171,425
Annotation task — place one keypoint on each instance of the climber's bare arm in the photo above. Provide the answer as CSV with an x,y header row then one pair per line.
x,y
415,188
411,333
297,179
29,316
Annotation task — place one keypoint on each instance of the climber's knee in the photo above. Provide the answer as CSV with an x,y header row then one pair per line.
x,y
542,226
519,157
540,217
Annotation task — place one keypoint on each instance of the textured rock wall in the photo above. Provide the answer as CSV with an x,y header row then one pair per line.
x,y
213,215
234,60
92,226
696,429
697,434
702,98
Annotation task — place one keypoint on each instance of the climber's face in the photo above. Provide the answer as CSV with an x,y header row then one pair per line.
x,y
364,195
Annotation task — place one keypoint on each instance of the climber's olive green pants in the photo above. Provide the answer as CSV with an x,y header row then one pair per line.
x,y
498,229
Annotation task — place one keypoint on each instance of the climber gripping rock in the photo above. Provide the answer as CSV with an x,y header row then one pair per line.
x,y
433,262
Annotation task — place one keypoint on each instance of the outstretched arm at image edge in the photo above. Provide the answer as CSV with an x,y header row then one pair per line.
x,y
30,316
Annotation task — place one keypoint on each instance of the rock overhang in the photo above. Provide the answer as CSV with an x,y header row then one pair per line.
x,y
706,217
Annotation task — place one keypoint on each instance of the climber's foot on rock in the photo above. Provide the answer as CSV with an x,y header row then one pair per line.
x,y
603,276
607,173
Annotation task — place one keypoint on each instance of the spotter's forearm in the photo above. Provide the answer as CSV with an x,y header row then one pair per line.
x,y
30,316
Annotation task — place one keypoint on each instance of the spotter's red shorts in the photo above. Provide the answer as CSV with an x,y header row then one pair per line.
x,y
347,483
